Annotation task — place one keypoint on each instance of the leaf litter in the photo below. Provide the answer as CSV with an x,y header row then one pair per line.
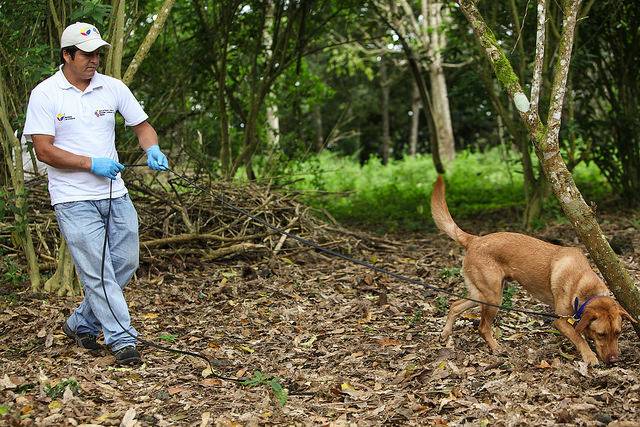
x,y
318,341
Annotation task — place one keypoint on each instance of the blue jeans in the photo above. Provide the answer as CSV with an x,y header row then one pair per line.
x,y
83,226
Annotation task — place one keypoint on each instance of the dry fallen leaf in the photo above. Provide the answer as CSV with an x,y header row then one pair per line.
x,y
6,383
544,365
128,420
386,342
211,382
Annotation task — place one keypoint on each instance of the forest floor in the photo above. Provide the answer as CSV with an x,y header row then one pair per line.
x,y
349,346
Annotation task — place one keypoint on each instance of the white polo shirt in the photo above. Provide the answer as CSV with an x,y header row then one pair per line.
x,y
82,123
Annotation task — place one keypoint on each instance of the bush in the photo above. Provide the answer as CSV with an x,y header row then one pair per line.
x,y
396,196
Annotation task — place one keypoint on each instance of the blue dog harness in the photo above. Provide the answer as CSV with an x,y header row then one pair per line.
x,y
578,309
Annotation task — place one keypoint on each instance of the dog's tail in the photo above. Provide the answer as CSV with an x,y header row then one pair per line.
x,y
442,217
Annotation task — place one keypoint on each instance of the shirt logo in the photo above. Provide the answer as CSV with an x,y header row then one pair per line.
x,y
60,117
86,31
100,113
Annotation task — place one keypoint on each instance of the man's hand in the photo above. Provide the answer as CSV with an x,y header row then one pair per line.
x,y
105,167
156,160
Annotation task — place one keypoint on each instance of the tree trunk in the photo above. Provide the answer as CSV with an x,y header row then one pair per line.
x,y
161,17
12,150
113,66
386,136
534,194
415,119
273,127
273,122
225,143
548,151
250,138
57,21
317,124
441,113
427,106
64,281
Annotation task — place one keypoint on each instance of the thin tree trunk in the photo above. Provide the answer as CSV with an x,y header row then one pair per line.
x,y
386,136
273,126
415,119
223,109
225,143
427,106
161,17
113,66
57,22
273,122
12,149
441,113
64,281
548,150
250,138
317,124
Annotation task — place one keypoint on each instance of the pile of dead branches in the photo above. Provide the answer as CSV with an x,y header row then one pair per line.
x,y
209,222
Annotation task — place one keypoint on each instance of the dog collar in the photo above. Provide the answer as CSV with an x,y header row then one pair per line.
x,y
578,309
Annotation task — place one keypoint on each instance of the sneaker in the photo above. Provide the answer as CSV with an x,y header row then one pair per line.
x,y
87,341
128,356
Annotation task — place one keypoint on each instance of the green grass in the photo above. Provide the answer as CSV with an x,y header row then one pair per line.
x,y
396,196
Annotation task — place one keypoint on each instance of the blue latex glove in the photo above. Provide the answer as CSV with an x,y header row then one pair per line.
x,y
105,167
156,159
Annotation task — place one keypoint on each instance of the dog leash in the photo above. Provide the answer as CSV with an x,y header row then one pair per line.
x,y
305,242
141,340
352,260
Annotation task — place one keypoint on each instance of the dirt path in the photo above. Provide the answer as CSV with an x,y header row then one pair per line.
x,y
350,348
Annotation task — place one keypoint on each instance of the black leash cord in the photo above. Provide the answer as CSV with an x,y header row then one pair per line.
x,y
146,342
305,242
366,264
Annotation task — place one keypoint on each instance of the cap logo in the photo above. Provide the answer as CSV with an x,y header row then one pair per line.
x,y
85,32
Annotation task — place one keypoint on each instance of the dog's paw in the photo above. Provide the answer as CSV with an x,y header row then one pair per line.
x,y
497,350
444,335
590,359
500,351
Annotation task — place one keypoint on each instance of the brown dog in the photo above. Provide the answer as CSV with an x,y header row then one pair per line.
x,y
554,274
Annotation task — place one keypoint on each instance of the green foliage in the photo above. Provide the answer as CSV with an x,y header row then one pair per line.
x,y
12,273
4,409
25,388
448,272
58,390
415,318
507,295
168,337
259,378
442,304
8,206
93,11
396,196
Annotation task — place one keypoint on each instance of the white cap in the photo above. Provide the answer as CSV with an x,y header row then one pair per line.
x,y
84,36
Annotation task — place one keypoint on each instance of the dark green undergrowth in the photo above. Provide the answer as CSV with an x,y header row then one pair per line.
x,y
396,197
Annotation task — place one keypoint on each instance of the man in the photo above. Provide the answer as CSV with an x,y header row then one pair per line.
x,y
71,121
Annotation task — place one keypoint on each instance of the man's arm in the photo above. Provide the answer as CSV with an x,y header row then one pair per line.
x,y
58,158
148,139
61,159
147,136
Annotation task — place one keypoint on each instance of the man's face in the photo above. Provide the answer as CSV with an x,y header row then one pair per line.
x,y
84,64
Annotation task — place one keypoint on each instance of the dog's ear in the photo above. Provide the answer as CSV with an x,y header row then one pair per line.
x,y
626,315
587,317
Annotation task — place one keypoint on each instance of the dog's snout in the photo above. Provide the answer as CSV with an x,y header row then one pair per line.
x,y
612,358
